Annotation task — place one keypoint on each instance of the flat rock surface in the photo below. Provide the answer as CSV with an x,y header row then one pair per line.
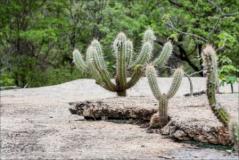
x,y
36,124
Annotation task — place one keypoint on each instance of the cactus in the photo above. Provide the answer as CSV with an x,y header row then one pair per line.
x,y
210,66
165,54
162,97
234,134
126,61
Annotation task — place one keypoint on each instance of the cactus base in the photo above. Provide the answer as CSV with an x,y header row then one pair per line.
x,y
122,93
157,122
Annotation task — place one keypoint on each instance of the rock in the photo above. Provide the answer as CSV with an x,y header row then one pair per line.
x,y
191,118
154,121
115,108
180,135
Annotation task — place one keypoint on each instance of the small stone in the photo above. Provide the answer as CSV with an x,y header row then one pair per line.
x,y
179,134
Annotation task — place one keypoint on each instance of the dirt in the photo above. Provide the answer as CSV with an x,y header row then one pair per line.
x,y
36,124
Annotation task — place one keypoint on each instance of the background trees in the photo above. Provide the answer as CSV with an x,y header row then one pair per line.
x,y
37,37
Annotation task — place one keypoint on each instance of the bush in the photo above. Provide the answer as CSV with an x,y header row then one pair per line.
x,y
6,79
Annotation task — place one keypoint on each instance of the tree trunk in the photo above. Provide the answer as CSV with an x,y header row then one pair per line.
x,y
232,88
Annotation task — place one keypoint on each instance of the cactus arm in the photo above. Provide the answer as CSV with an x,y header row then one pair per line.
x,y
95,43
164,55
151,76
144,56
99,67
137,73
129,52
177,79
146,50
149,36
78,60
120,50
90,66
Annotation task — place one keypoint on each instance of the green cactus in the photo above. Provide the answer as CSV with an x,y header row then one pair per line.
x,y
126,61
162,98
210,66
234,134
165,54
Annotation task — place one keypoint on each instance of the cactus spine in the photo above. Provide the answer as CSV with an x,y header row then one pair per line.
x,y
210,65
126,61
163,98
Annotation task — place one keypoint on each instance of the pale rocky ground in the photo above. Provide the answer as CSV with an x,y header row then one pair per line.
x,y
36,124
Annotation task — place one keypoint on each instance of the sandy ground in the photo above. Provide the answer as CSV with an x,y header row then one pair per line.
x,y
36,124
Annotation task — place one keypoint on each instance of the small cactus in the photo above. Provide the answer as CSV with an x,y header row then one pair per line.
x,y
210,65
126,60
162,115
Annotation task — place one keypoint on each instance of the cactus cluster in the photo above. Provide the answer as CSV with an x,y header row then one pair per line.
x,y
161,118
126,61
210,66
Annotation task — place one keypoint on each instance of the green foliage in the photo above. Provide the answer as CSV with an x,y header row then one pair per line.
x,y
48,31
228,72
62,74
6,79
226,39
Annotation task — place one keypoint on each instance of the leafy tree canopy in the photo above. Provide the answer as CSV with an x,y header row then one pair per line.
x,y
38,37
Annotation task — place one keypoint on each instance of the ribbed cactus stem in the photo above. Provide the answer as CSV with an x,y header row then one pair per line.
x,y
99,66
117,44
149,36
210,65
120,49
96,44
137,73
163,110
90,66
145,54
164,55
78,60
129,52
151,76
177,79
221,114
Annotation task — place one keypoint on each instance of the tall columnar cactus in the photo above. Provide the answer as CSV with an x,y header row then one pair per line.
x,y
210,66
161,118
126,61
